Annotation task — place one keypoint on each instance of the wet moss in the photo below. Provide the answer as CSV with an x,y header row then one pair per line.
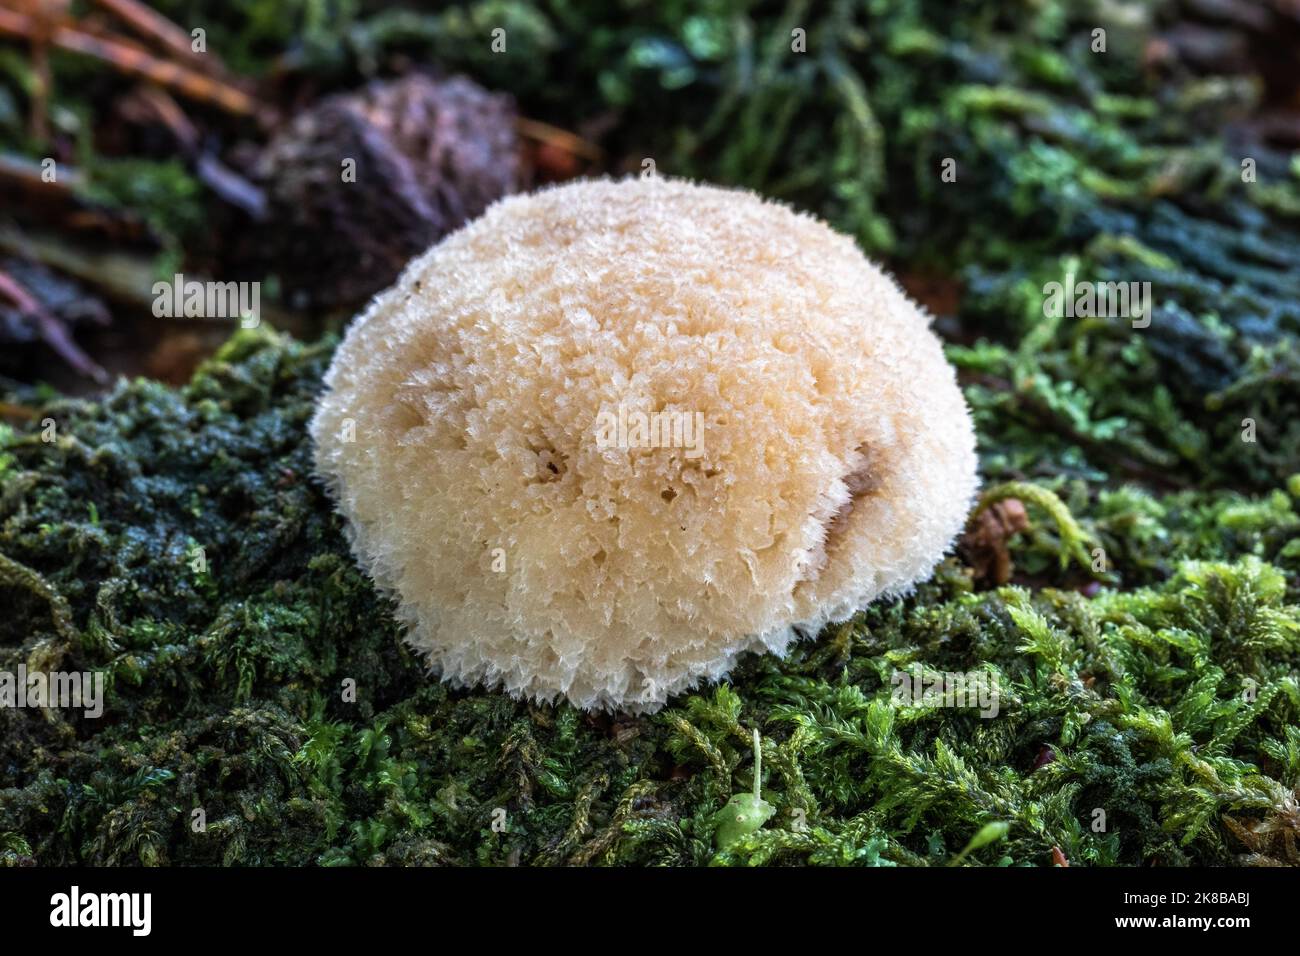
x,y
1161,697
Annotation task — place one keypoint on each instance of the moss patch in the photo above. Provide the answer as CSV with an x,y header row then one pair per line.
x,y
1168,700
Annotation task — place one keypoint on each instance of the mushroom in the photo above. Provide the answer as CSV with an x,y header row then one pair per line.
x,y
610,436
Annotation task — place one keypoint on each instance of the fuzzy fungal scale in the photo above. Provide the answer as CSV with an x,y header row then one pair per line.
x,y
608,437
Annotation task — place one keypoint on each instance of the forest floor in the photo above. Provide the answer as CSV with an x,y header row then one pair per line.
x,y
1130,580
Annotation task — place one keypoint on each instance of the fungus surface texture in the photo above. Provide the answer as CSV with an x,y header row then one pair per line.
x,y
609,436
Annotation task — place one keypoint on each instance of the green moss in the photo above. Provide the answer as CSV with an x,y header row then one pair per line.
x,y
230,693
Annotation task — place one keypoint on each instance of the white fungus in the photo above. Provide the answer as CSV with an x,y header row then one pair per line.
x,y
608,437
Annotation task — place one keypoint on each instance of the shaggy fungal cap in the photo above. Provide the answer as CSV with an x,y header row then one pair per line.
x,y
480,433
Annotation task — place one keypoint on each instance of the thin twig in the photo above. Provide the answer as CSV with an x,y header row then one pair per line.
x,y
136,61
152,25
569,142
50,329
218,177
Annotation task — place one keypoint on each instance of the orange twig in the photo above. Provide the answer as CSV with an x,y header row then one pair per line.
x,y
154,26
135,61
560,138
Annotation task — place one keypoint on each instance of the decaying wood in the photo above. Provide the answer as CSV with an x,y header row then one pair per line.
x,y
360,182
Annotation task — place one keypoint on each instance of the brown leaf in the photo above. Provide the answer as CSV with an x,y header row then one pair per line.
x,y
984,546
